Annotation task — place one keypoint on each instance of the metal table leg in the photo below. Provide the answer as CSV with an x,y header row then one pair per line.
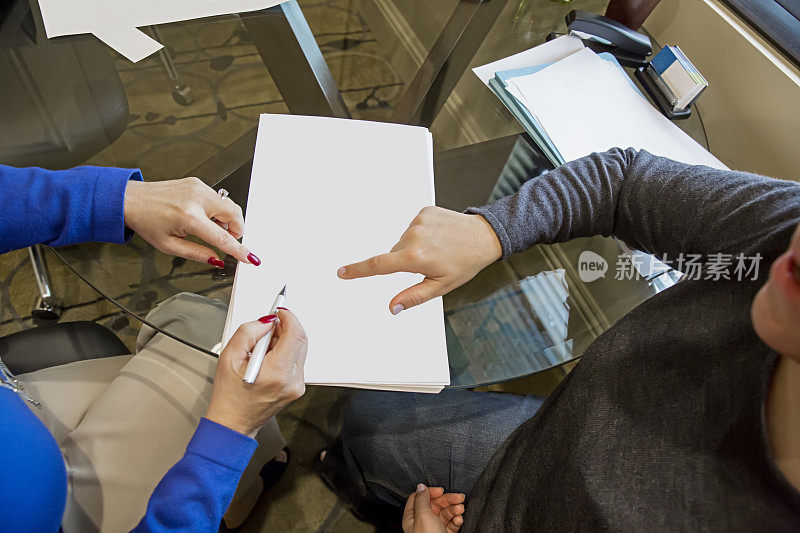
x,y
446,62
48,306
288,49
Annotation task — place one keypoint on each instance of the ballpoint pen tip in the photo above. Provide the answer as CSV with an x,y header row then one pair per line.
x,y
283,291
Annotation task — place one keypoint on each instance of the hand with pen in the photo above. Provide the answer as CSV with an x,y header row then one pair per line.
x,y
447,247
166,213
245,407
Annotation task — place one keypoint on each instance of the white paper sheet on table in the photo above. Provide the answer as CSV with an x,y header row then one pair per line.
x,y
324,193
115,21
548,52
586,105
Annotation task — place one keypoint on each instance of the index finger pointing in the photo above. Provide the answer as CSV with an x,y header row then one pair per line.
x,y
218,237
375,266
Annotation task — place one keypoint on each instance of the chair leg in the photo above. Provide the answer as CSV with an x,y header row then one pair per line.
x,y
181,93
48,305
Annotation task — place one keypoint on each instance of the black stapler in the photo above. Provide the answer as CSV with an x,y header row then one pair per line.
x,y
631,48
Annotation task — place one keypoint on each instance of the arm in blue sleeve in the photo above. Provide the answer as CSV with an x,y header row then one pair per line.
x,y
57,207
196,492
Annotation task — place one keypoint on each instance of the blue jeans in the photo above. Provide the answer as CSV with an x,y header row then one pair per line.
x,y
391,441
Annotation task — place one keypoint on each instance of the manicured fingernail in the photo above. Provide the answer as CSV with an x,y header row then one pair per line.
x,y
282,308
219,263
266,319
397,308
420,487
341,272
253,259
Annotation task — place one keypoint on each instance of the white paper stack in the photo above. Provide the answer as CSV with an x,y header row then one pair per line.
x,y
115,21
325,193
586,104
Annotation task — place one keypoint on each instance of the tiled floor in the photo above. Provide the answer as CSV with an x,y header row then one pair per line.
x,y
167,140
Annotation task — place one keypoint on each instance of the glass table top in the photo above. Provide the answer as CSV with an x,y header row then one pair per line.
x,y
521,316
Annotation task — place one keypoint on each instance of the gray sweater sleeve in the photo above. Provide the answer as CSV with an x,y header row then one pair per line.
x,y
652,204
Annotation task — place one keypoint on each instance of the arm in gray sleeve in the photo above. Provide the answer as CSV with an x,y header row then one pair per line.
x,y
652,204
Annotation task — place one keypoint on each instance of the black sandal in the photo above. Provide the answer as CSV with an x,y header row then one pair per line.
x,y
273,471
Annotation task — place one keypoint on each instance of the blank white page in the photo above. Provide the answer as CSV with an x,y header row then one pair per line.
x,y
115,21
586,105
327,192
548,52
69,17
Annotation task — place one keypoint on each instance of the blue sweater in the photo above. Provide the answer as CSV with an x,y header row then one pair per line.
x,y
81,205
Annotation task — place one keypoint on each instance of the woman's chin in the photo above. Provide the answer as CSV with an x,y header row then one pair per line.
x,y
772,326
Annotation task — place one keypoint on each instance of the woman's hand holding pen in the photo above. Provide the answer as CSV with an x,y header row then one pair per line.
x,y
165,213
245,407
447,247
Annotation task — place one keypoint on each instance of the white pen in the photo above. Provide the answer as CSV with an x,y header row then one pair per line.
x,y
260,350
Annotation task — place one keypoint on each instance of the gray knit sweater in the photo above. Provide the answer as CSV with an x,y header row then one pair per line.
x,y
660,426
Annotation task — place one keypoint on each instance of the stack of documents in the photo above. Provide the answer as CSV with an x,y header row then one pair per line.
x,y
574,102
324,193
677,77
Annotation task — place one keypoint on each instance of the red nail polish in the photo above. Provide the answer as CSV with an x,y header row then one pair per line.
x,y
268,318
219,263
253,259
281,308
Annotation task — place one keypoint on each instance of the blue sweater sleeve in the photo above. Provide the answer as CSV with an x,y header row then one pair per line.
x,y
195,493
58,207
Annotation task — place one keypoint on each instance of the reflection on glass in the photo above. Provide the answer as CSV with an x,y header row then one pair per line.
x,y
518,329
